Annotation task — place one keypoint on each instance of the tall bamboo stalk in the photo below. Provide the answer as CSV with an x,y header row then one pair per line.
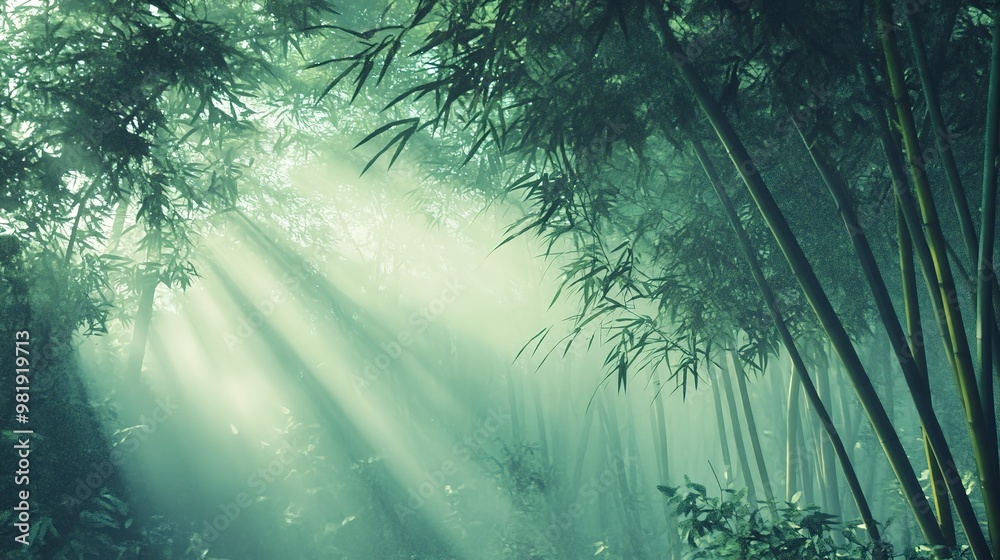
x,y
741,383
985,302
543,440
825,449
581,456
140,329
986,282
798,365
941,140
741,449
890,321
811,287
983,448
117,226
720,421
515,419
911,216
621,461
792,462
916,346
659,418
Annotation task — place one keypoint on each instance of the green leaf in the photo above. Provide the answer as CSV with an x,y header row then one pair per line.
x,y
668,491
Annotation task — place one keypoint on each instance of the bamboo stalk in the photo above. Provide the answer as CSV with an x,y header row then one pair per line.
x,y
941,140
890,321
811,287
659,420
720,420
543,440
798,365
741,384
621,462
985,298
741,450
916,346
826,451
792,463
965,374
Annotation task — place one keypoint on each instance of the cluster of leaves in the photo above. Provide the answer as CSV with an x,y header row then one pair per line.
x,y
726,527
525,474
107,529
126,126
121,113
592,129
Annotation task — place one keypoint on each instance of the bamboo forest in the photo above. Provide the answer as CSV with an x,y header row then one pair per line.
x,y
499,279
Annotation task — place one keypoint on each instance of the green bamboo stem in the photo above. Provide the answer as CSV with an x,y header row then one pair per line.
x,y
986,280
986,283
663,458
543,440
813,290
799,370
914,330
720,420
758,452
81,203
621,461
941,140
117,226
890,321
792,464
831,485
741,450
983,449
910,214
